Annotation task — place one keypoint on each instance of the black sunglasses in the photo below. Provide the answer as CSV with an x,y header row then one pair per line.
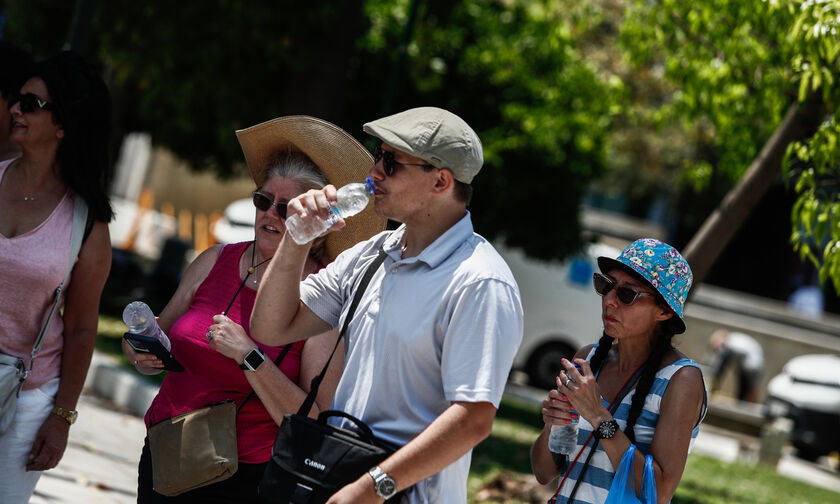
x,y
29,102
389,164
604,284
265,202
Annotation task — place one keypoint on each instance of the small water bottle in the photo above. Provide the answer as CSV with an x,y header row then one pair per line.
x,y
352,199
141,320
563,438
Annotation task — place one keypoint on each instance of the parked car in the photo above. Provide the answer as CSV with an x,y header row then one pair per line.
x,y
808,392
562,310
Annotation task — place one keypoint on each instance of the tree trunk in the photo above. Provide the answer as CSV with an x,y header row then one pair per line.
x,y
707,244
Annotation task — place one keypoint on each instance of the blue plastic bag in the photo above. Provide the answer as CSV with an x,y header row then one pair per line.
x,y
623,488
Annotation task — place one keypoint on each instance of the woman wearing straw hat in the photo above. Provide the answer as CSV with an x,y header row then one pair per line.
x,y
658,393
208,318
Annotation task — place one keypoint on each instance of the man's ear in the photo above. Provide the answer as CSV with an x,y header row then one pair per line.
x,y
444,179
60,133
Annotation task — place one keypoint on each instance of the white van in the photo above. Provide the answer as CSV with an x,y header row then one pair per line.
x,y
562,310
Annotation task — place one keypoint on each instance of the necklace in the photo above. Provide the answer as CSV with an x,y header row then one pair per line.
x,y
26,197
251,269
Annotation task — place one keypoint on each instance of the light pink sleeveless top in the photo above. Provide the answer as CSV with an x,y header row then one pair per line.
x,y
31,267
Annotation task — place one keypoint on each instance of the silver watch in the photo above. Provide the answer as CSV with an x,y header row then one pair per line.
x,y
384,485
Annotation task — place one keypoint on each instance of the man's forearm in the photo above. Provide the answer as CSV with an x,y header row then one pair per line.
x,y
278,297
455,432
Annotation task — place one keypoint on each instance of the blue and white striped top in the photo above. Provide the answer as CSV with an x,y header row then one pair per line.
x,y
598,478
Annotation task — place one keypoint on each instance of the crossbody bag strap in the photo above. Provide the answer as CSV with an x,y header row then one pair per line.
x,y
316,382
80,213
622,394
277,362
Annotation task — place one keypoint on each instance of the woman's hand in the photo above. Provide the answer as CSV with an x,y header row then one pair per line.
x,y
229,338
557,410
582,391
145,362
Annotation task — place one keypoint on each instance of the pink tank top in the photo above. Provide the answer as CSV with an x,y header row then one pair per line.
x,y
209,376
31,267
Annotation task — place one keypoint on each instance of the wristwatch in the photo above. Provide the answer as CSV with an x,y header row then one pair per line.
x,y
253,360
384,485
69,415
606,429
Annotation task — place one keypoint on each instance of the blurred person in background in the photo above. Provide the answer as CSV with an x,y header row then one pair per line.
x,y
16,65
643,293
61,121
208,318
744,355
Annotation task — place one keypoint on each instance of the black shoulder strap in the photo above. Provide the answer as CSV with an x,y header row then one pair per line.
x,y
316,382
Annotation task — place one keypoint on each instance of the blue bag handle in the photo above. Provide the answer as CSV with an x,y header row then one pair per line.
x,y
623,488
649,482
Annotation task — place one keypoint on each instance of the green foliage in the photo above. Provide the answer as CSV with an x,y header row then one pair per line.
x,y
737,66
191,73
814,165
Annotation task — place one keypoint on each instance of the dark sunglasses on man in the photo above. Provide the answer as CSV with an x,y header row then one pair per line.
x,y
389,164
29,102
264,202
604,284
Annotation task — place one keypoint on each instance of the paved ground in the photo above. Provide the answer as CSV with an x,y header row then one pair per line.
x,y
100,464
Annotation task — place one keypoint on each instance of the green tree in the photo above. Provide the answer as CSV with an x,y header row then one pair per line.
x,y
760,76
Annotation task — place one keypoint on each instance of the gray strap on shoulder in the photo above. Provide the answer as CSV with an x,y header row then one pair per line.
x,y
80,212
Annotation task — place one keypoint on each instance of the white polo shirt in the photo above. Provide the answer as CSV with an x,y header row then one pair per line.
x,y
440,327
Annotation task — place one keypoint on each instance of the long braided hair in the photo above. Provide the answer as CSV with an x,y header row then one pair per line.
x,y
664,333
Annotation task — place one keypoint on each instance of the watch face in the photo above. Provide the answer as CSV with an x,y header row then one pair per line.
x,y
607,429
253,359
386,488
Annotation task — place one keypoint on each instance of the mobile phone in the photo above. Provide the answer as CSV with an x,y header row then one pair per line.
x,y
148,344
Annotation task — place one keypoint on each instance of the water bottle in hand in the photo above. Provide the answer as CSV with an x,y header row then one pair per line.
x,y
563,438
141,320
352,199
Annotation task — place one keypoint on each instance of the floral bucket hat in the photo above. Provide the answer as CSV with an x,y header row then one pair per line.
x,y
660,265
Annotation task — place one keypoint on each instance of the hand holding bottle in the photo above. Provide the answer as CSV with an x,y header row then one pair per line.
x,y
318,210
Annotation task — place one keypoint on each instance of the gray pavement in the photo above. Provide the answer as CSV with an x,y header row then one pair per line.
x,y
100,463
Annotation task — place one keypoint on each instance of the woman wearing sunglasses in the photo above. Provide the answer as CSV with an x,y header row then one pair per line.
x,y
60,119
208,318
633,386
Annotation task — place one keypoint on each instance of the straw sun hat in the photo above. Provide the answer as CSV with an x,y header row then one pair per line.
x,y
337,154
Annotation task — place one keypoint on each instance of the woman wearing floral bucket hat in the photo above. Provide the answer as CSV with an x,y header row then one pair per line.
x,y
632,387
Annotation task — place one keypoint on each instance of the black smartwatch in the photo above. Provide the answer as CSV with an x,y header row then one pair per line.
x,y
384,485
253,360
606,429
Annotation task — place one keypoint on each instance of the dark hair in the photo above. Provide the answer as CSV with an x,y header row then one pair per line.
x,y
17,66
664,334
83,109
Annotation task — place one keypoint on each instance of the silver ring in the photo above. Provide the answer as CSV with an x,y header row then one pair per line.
x,y
210,335
135,362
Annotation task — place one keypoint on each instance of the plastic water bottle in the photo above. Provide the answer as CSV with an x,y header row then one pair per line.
x,y
563,438
352,199
141,320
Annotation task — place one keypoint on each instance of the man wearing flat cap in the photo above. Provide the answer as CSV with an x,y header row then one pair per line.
x,y
430,346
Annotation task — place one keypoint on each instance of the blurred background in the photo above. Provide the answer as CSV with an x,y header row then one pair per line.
x,y
711,125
